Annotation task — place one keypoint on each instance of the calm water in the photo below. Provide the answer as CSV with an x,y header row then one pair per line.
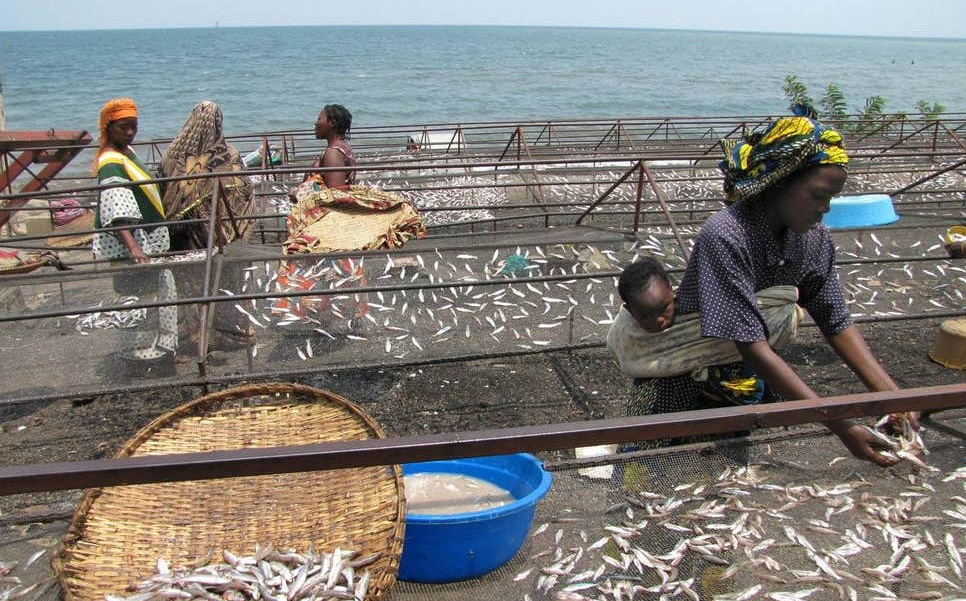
x,y
278,77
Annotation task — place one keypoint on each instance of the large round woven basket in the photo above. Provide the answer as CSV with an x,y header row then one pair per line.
x,y
118,533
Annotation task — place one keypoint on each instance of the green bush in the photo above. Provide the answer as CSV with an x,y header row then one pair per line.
x,y
833,103
871,117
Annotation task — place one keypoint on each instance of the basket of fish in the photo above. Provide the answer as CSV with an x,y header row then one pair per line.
x,y
332,534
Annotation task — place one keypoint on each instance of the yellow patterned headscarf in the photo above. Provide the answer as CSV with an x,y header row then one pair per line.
x,y
765,159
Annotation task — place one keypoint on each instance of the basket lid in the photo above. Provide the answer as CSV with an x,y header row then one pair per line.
x,y
118,533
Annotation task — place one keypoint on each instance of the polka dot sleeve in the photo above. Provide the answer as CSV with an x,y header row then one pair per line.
x,y
118,204
726,286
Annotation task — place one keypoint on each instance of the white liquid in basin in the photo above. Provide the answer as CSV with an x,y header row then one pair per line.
x,y
442,493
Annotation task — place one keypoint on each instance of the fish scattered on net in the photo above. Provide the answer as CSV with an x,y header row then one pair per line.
x,y
740,537
12,585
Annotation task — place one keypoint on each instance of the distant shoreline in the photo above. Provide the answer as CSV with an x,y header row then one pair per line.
x,y
484,26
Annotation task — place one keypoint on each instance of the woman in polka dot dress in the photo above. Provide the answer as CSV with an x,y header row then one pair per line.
x,y
779,184
129,203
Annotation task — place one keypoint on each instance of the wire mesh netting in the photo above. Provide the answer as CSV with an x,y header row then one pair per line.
x,y
780,517
784,518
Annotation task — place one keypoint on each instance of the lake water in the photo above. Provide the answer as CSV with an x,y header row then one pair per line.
x,y
274,78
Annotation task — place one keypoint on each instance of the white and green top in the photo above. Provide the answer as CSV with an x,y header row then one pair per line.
x,y
127,204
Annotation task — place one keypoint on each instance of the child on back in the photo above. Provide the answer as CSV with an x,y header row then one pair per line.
x,y
649,341
647,294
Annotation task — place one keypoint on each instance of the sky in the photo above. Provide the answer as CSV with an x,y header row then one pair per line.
x,y
918,18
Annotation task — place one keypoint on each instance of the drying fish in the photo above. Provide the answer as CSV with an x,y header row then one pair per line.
x,y
269,574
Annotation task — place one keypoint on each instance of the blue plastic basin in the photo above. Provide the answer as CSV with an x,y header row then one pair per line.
x,y
864,210
456,546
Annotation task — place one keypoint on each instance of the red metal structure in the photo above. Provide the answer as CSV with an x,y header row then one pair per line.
x,y
21,149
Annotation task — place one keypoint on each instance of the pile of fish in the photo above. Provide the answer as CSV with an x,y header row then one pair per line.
x,y
268,575
907,445
570,303
741,537
534,315
103,320
11,585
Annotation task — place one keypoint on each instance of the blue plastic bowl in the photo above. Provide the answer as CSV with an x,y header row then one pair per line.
x,y
865,210
456,546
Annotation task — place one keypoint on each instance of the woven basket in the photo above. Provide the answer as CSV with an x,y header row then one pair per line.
x,y
22,268
350,228
949,347
118,533
83,224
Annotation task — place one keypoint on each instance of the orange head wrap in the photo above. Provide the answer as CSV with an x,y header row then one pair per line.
x,y
117,108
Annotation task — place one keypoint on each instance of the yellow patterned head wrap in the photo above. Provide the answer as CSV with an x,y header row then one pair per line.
x,y
765,159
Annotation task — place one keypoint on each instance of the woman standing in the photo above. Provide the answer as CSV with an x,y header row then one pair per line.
x,y
135,207
333,125
779,184
200,148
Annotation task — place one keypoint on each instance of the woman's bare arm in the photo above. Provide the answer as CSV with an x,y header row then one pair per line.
x,y
782,379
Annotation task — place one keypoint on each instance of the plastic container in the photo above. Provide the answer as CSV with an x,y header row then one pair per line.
x,y
865,210
457,546
254,158
956,242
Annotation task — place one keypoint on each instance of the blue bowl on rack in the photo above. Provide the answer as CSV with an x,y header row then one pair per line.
x,y
457,546
864,210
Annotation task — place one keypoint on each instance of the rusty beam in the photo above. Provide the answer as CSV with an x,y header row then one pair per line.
x,y
14,140
59,160
20,164
613,187
664,209
337,455
902,139
929,177
35,146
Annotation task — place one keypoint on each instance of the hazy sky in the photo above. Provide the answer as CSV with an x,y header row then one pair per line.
x,y
930,18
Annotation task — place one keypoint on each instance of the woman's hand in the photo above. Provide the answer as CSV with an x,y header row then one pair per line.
x,y
138,255
894,423
864,445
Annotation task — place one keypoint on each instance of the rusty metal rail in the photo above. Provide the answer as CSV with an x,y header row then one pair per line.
x,y
338,455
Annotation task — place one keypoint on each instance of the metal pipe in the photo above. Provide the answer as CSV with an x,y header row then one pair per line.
x,y
613,187
638,198
931,176
415,166
664,209
183,467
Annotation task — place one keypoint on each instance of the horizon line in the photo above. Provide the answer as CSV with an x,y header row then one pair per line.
x,y
216,25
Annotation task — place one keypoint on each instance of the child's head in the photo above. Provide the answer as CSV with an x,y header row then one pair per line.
x,y
646,291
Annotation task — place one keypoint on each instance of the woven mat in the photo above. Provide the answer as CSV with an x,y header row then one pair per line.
x,y
84,223
351,228
117,534
22,268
